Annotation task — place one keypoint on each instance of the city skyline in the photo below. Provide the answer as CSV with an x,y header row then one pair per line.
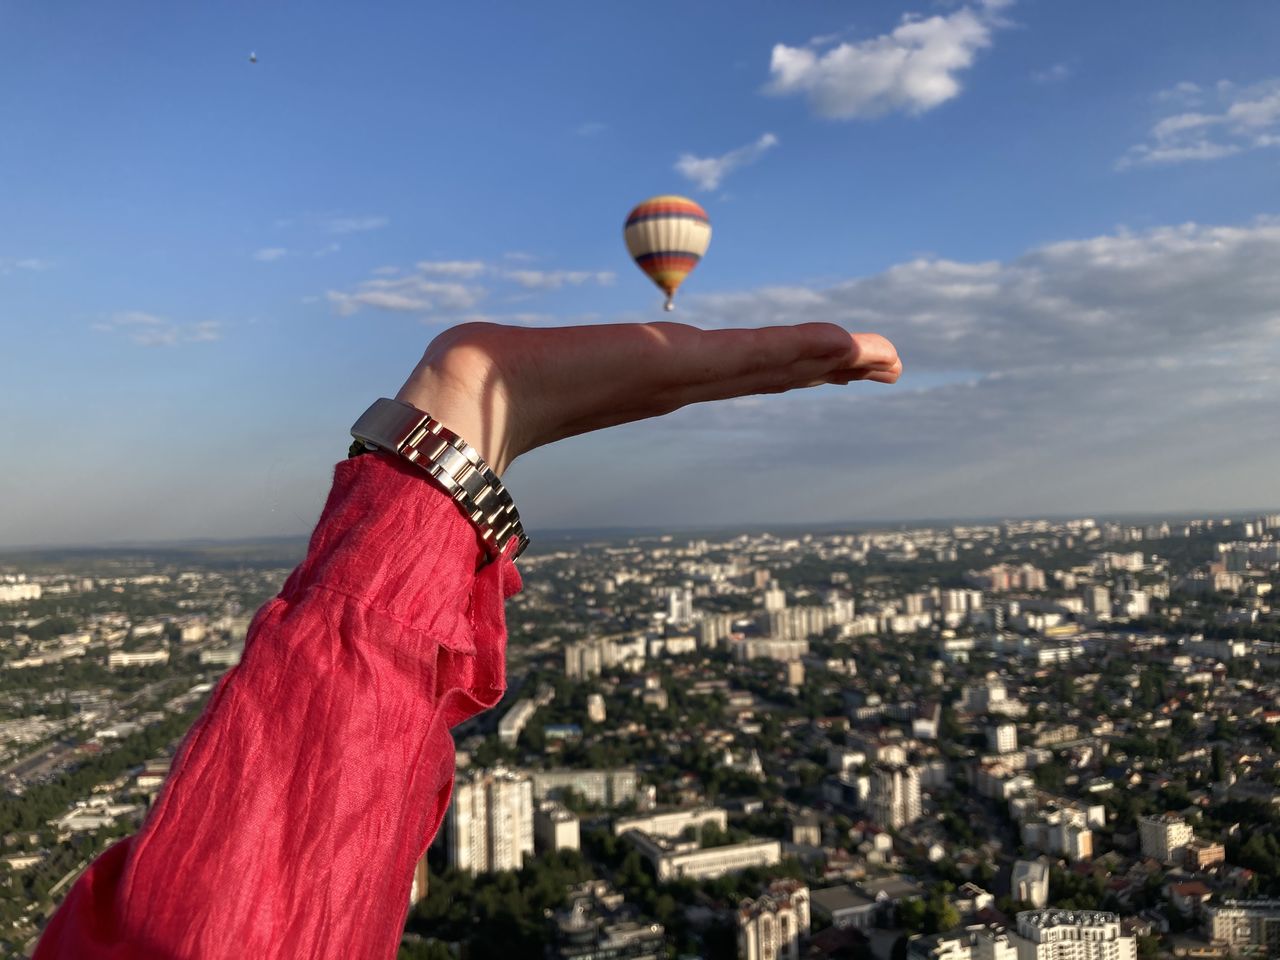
x,y
215,264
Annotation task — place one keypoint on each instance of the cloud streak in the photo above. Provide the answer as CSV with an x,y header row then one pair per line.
x,y
912,69
446,289
28,264
709,172
1211,123
150,330
341,225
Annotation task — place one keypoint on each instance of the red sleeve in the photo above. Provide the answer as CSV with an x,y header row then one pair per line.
x,y
321,768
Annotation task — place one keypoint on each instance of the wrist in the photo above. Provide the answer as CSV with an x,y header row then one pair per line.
x,y
475,415
449,462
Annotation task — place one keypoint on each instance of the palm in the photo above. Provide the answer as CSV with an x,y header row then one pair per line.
x,y
510,389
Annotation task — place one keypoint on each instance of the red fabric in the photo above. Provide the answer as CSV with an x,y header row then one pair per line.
x,y
322,766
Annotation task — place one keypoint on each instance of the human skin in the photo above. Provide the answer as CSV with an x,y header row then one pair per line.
x,y
507,390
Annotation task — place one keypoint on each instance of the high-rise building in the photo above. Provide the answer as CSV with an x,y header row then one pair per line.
x,y
1072,935
490,821
1002,738
680,606
895,795
1164,837
1097,600
772,926
775,599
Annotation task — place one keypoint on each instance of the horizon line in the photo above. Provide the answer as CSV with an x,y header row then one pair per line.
x,y
657,529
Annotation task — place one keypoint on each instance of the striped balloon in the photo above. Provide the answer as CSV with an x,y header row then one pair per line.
x,y
666,237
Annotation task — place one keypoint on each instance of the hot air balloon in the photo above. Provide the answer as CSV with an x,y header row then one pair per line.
x,y
666,237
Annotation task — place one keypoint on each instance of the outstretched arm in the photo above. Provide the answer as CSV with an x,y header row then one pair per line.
x,y
322,767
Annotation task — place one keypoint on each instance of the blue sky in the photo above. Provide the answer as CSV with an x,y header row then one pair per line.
x,y
1063,214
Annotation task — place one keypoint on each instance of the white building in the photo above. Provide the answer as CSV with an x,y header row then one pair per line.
x,y
990,695
136,658
680,606
1030,882
604,788
1058,831
681,859
595,708
514,721
673,822
1097,600
895,795
1072,935
19,591
490,821
978,942
555,828
771,648
772,926
1245,926
1164,837
1002,738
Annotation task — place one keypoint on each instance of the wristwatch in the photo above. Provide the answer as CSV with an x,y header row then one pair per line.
x,y
451,463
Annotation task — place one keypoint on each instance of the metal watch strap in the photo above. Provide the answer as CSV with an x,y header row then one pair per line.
x,y
452,463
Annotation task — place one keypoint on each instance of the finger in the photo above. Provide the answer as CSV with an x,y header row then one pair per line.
x,y
845,376
805,373
872,354
728,355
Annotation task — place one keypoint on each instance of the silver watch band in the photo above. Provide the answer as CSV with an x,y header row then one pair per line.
x,y
454,465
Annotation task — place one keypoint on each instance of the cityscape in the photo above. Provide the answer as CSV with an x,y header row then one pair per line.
x,y
960,642
1018,740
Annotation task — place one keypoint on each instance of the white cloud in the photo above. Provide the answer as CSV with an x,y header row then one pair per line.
x,y
709,172
269,254
206,331
1054,74
464,269
448,290
149,330
592,128
355,224
34,264
1186,93
414,293
555,279
1228,120
913,68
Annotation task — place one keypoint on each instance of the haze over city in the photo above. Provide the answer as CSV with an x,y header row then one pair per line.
x,y
1063,215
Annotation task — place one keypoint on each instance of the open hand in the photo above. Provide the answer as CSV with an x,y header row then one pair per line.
x,y
506,390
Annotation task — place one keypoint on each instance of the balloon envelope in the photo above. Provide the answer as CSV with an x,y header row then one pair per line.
x,y
667,236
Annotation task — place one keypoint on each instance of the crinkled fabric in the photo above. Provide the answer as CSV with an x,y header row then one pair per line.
x,y
322,767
